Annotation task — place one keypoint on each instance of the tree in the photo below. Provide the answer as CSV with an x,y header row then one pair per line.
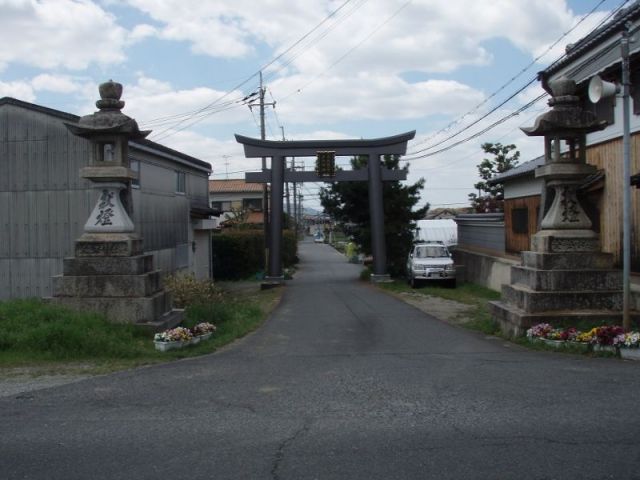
x,y
490,198
348,202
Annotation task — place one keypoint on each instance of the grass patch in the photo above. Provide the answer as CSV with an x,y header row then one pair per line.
x,y
478,318
38,334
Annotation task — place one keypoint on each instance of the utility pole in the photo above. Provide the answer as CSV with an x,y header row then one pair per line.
x,y
286,186
226,165
626,179
300,196
295,197
265,195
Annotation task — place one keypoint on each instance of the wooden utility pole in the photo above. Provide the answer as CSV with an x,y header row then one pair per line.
x,y
265,189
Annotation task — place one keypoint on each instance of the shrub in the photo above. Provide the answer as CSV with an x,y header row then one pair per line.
x,y
365,274
240,254
186,290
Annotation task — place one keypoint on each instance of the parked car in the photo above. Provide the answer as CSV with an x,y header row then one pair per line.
x,y
318,237
430,261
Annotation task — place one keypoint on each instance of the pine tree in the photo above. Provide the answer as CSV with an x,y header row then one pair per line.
x,y
490,198
348,202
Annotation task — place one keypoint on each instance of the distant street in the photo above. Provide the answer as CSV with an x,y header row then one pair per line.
x,y
343,382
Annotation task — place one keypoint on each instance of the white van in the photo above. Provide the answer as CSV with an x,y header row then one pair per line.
x,y
430,261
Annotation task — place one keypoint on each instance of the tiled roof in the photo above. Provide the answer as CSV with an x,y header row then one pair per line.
x,y
233,186
609,29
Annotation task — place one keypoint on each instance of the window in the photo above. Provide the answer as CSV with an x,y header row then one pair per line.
x,y
221,206
181,181
134,165
431,252
520,220
254,204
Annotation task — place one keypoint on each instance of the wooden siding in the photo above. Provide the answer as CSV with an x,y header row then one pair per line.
x,y
608,156
518,242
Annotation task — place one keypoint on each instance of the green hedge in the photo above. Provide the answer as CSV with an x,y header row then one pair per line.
x,y
239,254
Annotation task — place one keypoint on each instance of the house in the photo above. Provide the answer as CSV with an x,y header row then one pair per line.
x,y
233,196
599,53
44,203
522,197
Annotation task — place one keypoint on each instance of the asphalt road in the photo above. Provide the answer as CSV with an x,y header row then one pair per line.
x,y
343,382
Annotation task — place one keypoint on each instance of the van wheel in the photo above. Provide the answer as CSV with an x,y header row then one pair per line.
x,y
452,283
413,282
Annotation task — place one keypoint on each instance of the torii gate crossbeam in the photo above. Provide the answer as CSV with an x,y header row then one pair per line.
x,y
374,174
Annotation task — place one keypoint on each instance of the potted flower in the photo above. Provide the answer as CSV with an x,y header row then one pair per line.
x,y
539,332
173,338
628,344
202,331
604,338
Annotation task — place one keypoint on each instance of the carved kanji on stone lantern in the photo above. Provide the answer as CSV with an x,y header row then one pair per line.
x,y
109,131
565,226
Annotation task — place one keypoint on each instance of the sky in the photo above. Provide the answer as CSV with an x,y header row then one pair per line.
x,y
332,69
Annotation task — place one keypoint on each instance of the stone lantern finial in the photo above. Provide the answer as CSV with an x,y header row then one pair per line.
x,y
110,93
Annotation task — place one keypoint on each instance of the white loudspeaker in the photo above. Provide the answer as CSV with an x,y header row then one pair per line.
x,y
599,89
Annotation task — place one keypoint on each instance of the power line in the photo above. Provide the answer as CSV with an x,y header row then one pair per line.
x,y
483,131
196,116
503,119
511,97
339,21
352,49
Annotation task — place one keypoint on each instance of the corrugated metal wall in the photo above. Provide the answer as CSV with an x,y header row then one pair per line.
x,y
483,232
41,202
44,203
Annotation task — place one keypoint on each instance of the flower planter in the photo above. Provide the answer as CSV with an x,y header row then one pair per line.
x,y
553,343
630,353
582,346
604,348
205,336
166,346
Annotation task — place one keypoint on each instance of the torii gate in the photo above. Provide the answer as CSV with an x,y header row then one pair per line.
x,y
279,174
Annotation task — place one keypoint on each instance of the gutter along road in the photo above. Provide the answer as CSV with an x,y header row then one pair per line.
x,y
342,382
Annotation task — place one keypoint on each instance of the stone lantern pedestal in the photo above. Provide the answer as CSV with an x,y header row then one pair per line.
x,y
565,278
109,273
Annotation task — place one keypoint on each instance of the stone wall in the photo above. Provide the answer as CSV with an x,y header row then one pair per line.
x,y
483,269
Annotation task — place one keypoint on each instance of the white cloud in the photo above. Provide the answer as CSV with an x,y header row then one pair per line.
x,y
365,96
20,90
54,83
142,31
157,105
58,33
426,35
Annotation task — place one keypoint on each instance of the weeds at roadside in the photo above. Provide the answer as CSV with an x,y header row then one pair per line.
x,y
49,337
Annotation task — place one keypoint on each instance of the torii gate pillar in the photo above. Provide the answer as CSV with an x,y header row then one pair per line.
x,y
374,174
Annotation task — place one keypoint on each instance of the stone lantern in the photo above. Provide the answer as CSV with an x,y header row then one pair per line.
x,y
109,131
565,226
110,272
565,279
